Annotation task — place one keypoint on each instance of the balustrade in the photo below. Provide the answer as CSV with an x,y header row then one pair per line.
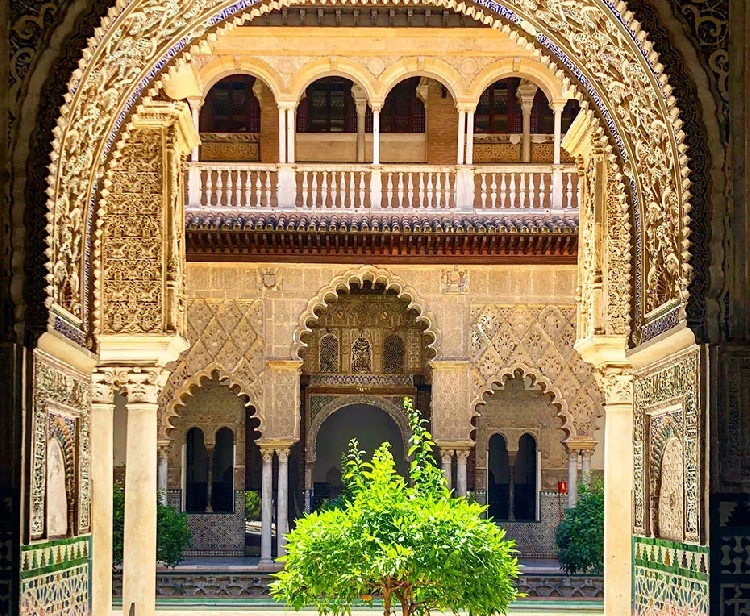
x,y
388,188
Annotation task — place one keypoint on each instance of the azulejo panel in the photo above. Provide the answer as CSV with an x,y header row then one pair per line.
x,y
63,592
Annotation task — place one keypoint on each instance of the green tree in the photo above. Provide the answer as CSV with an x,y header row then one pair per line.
x,y
408,543
579,538
172,532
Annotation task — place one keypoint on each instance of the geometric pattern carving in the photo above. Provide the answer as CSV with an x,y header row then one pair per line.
x,y
227,338
667,420
538,342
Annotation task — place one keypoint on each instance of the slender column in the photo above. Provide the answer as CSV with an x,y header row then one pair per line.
x,y
375,136
161,473
558,111
139,542
282,499
360,101
461,136
282,135
194,174
210,479
511,485
572,477
618,488
470,138
585,465
526,92
102,412
461,480
446,457
266,507
290,134
195,111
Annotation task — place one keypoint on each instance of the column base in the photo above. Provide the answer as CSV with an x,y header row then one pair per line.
x,y
267,563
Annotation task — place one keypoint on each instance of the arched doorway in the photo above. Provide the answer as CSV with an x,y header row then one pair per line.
x,y
371,426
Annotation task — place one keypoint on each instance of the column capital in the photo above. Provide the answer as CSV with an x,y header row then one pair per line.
x,y
616,383
144,384
163,447
283,453
581,444
466,106
462,455
557,107
446,455
287,105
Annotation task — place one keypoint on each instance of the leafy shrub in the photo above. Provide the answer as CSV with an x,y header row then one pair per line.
x,y
252,506
579,538
407,543
172,532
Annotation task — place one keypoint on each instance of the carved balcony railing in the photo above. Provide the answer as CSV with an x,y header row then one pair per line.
x,y
402,188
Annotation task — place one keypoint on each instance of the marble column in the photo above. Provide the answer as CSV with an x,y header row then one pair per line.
x,y
557,177
375,136
102,412
470,138
526,92
446,457
266,496
161,474
462,455
511,486
290,134
585,465
194,174
572,477
139,541
461,136
360,102
282,135
210,479
282,500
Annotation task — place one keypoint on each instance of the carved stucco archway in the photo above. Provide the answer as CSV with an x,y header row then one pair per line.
x,y
357,276
621,74
537,378
393,410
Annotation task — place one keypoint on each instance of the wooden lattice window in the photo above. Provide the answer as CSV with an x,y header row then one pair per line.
x,y
393,354
403,111
329,353
231,107
361,355
328,107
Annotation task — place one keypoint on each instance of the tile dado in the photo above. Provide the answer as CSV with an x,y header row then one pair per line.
x,y
54,555
669,578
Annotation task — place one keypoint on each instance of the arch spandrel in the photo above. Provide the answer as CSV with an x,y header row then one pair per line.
x,y
223,66
329,67
621,76
435,68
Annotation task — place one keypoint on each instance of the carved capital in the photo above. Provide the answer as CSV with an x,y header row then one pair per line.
x,y
462,455
283,454
144,384
617,385
267,455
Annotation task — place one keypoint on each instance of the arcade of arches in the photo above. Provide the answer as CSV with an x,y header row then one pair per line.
x,y
236,235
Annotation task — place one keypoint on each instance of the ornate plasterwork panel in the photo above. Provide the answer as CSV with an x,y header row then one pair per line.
x,y
451,409
226,337
666,406
538,342
61,398
621,75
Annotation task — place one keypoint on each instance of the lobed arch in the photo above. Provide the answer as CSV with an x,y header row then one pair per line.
x,y
330,67
224,66
434,68
393,410
537,378
555,88
344,282
168,409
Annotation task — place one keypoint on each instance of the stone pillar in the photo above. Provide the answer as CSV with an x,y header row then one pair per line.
x,y
446,457
102,411
461,479
139,540
375,136
266,493
282,500
161,474
557,177
282,134
572,477
194,174
461,136
526,92
585,465
470,138
360,101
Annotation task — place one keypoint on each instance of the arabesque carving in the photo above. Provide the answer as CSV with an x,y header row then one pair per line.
x,y
536,341
227,338
622,77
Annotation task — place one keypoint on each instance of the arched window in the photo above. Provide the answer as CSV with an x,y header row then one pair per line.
x,y
231,107
498,110
393,355
328,107
403,111
498,478
196,472
329,353
361,355
524,470
222,493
